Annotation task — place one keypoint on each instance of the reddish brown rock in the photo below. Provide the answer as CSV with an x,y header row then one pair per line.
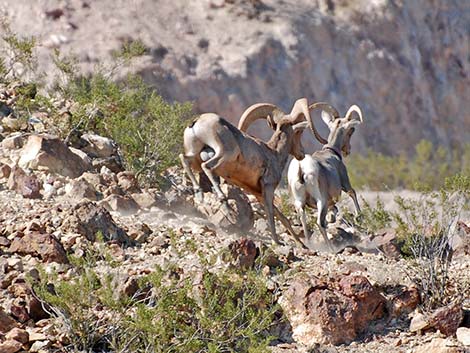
x,y
144,199
447,319
244,253
7,323
28,186
19,311
36,309
18,334
79,189
44,245
122,204
98,146
333,312
405,302
5,170
10,346
239,216
89,219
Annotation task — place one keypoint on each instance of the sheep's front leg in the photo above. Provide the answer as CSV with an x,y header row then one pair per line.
x,y
353,196
285,222
268,201
321,221
196,187
300,208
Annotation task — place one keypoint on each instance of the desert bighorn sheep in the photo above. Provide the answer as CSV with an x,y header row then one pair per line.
x,y
216,147
318,179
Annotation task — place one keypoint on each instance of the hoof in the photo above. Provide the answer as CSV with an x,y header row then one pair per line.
x,y
199,196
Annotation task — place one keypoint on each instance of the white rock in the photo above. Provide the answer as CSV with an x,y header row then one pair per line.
x,y
463,335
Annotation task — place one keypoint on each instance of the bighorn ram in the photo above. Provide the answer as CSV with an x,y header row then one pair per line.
x,y
216,147
318,179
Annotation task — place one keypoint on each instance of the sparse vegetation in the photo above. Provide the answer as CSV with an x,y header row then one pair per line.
x,y
225,312
427,227
147,129
428,167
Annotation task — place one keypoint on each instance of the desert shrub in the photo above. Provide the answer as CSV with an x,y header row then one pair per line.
x,y
426,227
427,167
227,311
147,128
371,219
18,59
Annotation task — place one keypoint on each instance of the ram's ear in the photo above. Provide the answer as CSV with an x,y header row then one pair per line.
x,y
351,123
270,122
300,126
328,119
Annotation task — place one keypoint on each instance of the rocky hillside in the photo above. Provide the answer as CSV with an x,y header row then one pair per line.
x,y
404,62
92,262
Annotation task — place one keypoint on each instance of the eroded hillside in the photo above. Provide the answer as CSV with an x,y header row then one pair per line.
x,y
404,63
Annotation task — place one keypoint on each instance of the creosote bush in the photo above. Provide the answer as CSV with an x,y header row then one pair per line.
x,y
147,129
174,311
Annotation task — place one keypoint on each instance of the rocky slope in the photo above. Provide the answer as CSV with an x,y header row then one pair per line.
x,y
65,211
405,63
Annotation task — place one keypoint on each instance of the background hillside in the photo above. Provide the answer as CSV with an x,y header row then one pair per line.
x,y
404,62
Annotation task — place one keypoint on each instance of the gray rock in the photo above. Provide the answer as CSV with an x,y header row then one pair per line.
x,y
45,152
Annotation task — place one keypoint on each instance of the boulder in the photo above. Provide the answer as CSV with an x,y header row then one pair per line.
x,y
237,217
333,312
145,199
122,204
405,302
79,189
243,252
45,152
28,185
89,219
18,334
128,182
463,336
46,246
7,323
5,170
447,319
10,346
113,163
98,146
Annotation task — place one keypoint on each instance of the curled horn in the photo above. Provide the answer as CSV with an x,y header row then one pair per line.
x,y
255,112
329,109
354,108
298,113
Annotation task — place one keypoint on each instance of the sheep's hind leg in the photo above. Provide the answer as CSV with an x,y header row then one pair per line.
x,y
199,195
208,167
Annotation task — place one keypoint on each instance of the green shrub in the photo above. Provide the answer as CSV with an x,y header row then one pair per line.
x,y
371,219
19,51
427,168
224,312
147,129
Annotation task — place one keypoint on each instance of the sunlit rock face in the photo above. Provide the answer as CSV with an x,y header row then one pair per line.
x,y
405,63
